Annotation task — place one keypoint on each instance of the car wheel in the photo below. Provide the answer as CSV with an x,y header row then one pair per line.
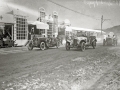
x,y
67,46
94,44
30,46
42,46
83,46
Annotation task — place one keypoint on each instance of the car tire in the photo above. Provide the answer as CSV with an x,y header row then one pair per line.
x,y
82,46
42,46
67,46
30,46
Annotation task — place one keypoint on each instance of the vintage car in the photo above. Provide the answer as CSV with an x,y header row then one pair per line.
x,y
110,41
81,42
42,42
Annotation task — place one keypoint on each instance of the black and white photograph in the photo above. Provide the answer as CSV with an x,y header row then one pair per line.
x,y
59,44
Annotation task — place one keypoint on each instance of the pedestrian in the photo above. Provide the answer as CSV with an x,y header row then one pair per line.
x,y
104,39
32,33
114,40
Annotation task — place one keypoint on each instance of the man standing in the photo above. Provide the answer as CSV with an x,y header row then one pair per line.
x,y
114,40
104,39
32,33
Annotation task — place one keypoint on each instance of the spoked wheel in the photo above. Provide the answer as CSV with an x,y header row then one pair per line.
x,y
42,46
30,46
83,46
94,44
67,46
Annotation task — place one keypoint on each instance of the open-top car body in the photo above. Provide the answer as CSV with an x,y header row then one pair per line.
x,y
39,37
42,42
110,39
80,41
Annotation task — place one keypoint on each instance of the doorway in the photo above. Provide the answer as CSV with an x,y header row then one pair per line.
x,y
8,31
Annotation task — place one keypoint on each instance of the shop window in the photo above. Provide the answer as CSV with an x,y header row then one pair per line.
x,y
21,28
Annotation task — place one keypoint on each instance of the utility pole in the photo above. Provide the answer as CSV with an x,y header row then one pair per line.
x,y
101,23
102,20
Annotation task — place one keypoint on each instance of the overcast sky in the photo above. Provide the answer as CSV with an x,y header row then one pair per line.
x,y
110,9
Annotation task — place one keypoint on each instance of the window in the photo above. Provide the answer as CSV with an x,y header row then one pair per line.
x,y
21,27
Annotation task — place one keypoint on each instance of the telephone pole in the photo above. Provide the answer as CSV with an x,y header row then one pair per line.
x,y
102,20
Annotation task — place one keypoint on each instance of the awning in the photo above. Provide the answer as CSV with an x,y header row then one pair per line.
x,y
40,25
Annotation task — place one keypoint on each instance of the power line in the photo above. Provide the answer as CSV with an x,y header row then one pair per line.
x,y
72,10
8,6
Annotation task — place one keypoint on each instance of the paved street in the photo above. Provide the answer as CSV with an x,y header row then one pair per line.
x,y
17,63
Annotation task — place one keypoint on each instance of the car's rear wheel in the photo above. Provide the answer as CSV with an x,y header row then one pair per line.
x,y
67,46
30,46
94,44
42,46
82,46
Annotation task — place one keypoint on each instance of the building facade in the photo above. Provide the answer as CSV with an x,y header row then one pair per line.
x,y
16,28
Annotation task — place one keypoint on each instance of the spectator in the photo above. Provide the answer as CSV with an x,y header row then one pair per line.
x,y
32,33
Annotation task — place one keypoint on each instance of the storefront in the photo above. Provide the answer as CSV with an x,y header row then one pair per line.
x,y
20,29
15,27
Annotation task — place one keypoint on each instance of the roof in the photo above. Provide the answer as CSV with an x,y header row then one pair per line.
x,y
7,18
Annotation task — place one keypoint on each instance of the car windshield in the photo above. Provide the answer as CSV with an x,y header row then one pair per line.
x,y
80,34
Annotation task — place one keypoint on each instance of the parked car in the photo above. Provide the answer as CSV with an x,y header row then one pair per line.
x,y
81,42
42,42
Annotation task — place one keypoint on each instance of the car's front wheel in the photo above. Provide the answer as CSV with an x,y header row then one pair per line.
x,y
42,46
30,46
94,44
82,46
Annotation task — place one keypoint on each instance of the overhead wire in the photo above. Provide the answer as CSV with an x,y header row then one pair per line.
x,y
72,10
8,6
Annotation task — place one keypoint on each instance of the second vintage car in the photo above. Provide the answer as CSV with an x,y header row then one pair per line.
x,y
42,42
80,41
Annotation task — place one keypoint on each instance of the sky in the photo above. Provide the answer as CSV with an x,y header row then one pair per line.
x,y
80,13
